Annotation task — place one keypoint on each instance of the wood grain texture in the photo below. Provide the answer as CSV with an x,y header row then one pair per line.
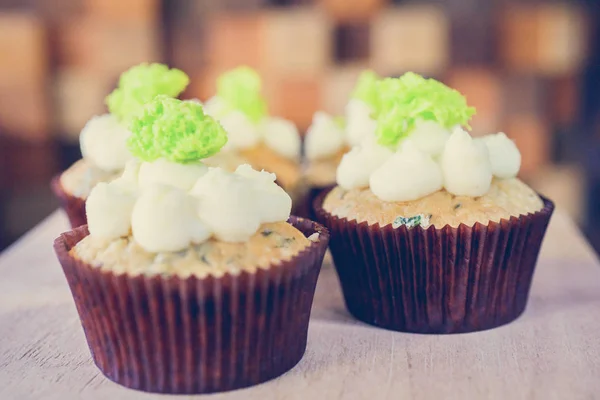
x,y
551,352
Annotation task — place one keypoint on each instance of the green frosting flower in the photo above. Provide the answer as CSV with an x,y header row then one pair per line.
x,y
410,98
366,88
175,130
240,89
142,83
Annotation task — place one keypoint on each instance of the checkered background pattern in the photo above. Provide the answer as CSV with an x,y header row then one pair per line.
x,y
518,62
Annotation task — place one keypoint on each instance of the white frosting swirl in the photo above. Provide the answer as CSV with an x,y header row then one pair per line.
x,y
324,137
196,204
164,219
215,107
108,209
359,163
281,136
109,205
359,124
234,205
129,179
504,155
466,165
429,137
241,132
103,142
278,134
274,204
428,160
407,175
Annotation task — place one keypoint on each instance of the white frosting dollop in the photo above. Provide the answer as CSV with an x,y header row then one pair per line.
x,y
129,179
215,107
108,209
359,163
227,205
430,159
103,142
109,205
164,219
234,205
429,137
241,132
324,138
504,155
169,215
466,165
359,124
281,136
161,171
274,204
407,175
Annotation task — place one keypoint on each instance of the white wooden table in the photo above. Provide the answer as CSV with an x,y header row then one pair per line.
x,y
551,352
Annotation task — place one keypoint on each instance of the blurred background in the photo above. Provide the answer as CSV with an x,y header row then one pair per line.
x,y
532,69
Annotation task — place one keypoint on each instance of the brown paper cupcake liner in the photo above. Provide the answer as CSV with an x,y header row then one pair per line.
x,y
192,335
72,205
447,280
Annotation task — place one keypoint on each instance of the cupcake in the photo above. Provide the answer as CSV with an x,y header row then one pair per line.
x,y
330,137
431,230
103,138
255,137
189,278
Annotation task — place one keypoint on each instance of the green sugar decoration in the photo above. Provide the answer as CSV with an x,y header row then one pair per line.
x,y
141,84
366,89
240,90
404,101
411,222
175,130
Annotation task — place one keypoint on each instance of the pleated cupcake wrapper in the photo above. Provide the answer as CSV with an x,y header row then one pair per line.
x,y
447,280
72,205
195,335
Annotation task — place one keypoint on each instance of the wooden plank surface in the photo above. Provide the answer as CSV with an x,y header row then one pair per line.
x,y
551,352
